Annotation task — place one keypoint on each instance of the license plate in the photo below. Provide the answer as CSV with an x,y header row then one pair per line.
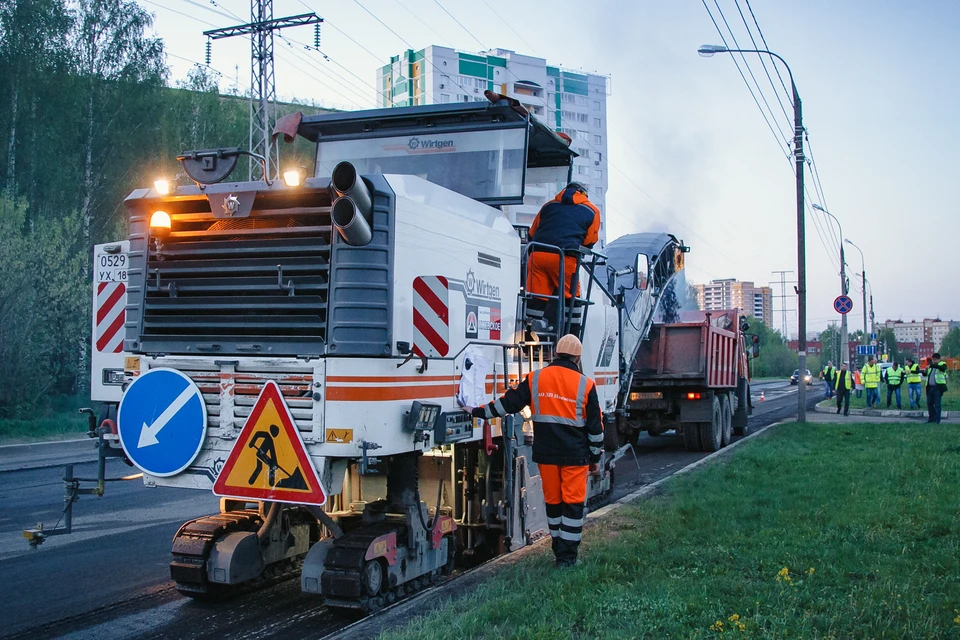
x,y
110,267
646,395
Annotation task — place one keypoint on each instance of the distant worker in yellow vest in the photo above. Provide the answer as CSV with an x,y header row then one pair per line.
x,y
936,386
827,375
842,383
894,376
914,382
870,374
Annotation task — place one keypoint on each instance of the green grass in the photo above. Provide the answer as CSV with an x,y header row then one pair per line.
x,y
56,419
813,531
949,402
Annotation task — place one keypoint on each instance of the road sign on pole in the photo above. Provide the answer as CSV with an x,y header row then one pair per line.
x,y
866,350
843,304
162,422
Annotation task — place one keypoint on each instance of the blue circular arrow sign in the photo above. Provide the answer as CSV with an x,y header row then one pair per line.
x,y
843,304
162,422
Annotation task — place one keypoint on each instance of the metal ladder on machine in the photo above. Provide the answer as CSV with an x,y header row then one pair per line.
x,y
571,314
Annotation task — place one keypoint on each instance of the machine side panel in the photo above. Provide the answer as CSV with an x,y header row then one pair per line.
x,y
362,284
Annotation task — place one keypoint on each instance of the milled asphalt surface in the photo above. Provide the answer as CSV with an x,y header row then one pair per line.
x,y
110,578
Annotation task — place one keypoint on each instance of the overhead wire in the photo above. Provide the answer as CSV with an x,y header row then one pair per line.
x,y
542,101
776,92
776,135
813,214
753,77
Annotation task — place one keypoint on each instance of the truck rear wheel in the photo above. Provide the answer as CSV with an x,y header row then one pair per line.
x,y
691,436
726,414
711,433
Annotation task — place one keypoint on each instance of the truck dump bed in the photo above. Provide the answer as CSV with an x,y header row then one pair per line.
x,y
702,350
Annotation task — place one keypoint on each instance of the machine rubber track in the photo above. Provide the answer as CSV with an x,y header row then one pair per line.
x,y
192,546
343,582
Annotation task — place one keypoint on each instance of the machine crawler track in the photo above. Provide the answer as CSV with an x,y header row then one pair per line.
x,y
191,549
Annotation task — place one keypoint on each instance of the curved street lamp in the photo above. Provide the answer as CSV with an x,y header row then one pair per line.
x,y
844,290
706,51
863,274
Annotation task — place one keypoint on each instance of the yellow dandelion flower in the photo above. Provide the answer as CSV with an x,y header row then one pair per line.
x,y
956,620
734,617
810,571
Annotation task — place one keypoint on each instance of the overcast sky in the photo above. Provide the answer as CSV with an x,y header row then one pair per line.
x,y
690,152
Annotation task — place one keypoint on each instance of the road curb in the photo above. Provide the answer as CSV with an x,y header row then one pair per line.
x,y
359,631
882,413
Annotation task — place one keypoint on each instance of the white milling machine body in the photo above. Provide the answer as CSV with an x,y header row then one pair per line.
x,y
366,293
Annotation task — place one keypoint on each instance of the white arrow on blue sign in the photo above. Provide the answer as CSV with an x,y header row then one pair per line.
x,y
162,422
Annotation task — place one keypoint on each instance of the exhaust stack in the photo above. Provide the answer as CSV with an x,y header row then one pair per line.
x,y
353,205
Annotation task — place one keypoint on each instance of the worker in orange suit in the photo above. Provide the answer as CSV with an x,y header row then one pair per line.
x,y
567,439
569,221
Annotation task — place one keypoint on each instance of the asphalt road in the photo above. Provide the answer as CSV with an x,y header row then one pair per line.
x,y
109,579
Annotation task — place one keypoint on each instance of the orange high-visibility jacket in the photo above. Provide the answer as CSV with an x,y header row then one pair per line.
x,y
567,421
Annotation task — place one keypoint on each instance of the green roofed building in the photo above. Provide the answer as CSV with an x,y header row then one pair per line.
x,y
572,102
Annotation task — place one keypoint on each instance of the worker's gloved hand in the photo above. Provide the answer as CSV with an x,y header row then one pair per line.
x,y
594,469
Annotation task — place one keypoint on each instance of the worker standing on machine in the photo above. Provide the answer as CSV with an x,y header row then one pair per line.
x,y
567,439
569,221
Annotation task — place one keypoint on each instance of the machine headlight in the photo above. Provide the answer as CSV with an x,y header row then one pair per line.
x,y
162,186
160,223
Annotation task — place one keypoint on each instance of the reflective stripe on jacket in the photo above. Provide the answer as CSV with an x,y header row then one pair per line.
x,y
913,374
567,421
871,376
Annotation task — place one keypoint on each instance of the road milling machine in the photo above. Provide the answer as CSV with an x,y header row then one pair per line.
x,y
304,348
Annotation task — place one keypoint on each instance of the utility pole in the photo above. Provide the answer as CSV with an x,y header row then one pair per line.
x,y
844,290
263,86
783,301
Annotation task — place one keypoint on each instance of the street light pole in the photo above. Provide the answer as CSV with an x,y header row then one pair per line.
x,y
708,50
863,272
844,290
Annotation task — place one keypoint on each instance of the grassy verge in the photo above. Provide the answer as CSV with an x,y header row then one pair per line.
x,y
814,531
56,420
950,400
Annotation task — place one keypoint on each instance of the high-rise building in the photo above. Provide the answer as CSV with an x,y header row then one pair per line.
x,y
927,330
730,293
571,102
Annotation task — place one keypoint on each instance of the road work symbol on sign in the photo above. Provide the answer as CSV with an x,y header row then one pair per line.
x,y
269,460
162,422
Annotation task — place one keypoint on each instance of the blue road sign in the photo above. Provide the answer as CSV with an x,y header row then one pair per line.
x,y
866,350
162,422
873,336
843,304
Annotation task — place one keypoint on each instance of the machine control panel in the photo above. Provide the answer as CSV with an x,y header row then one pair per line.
x,y
453,426
422,416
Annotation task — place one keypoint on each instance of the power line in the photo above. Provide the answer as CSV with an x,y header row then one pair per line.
x,y
776,92
482,46
404,7
532,49
749,88
772,61
743,57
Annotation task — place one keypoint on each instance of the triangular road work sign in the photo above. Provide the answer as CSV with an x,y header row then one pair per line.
x,y
269,460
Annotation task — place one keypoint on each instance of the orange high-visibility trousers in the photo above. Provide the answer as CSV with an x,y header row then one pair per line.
x,y
564,492
564,484
543,273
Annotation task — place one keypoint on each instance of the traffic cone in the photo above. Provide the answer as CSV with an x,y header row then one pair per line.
x,y
761,397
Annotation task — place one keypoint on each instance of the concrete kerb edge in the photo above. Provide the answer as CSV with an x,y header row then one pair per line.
x,y
350,631
654,486
882,413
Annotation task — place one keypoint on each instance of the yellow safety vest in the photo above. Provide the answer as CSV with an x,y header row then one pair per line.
x,y
936,374
894,377
913,374
871,376
848,382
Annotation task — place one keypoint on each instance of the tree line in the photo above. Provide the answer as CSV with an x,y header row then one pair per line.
x,y
87,114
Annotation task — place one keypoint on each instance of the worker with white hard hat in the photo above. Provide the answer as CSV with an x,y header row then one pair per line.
x,y
568,439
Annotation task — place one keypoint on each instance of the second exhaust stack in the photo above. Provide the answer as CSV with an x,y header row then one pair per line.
x,y
353,206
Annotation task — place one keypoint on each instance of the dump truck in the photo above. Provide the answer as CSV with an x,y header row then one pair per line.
x,y
692,376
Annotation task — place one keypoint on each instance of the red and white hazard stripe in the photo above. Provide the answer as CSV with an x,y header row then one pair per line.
x,y
110,314
431,316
